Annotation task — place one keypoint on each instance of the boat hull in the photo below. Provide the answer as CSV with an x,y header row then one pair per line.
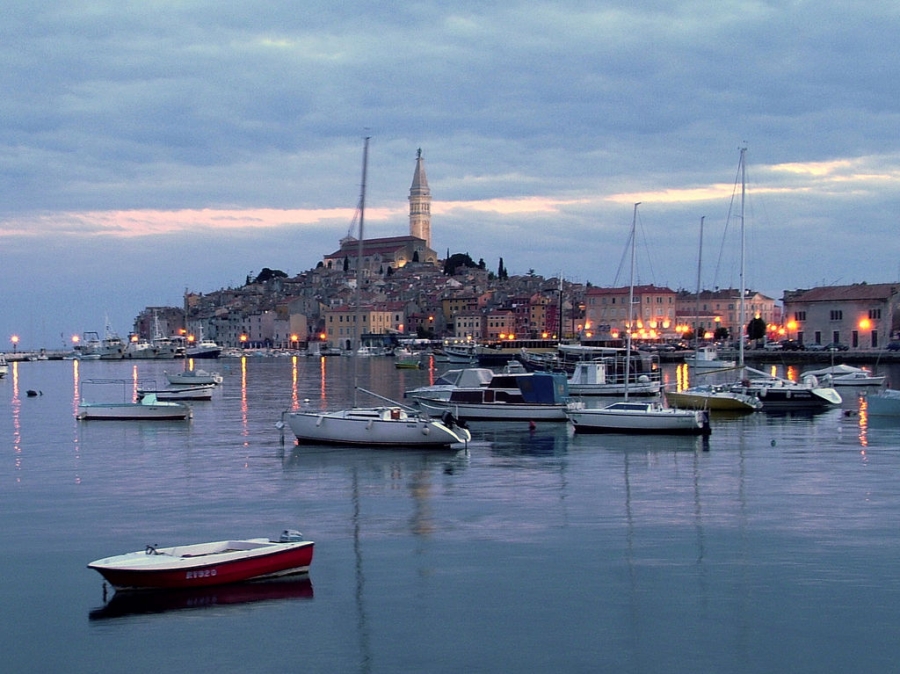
x,y
714,401
498,411
201,392
378,427
667,421
193,378
793,398
190,566
884,404
170,411
651,388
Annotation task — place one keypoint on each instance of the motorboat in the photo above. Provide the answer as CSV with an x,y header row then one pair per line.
x,y
194,377
198,392
203,348
443,386
530,396
591,378
148,408
707,358
639,416
847,375
206,564
713,397
885,403
4,366
391,426
777,393
406,359
461,352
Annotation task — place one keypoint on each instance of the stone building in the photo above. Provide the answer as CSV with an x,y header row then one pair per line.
x,y
861,316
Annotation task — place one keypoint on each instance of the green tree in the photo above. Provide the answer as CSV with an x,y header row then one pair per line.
x,y
456,261
756,328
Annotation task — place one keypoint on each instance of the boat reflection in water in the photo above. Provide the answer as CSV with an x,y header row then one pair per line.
x,y
160,601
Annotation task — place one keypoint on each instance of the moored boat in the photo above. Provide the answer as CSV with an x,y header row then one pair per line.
x,y
777,393
528,396
591,378
194,377
199,392
644,416
715,398
387,426
847,375
637,416
469,377
707,358
885,403
206,564
149,408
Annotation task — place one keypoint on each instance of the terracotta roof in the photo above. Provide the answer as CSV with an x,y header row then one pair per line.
x,y
857,291
638,290
373,246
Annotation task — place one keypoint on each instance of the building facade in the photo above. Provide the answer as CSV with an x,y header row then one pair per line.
x,y
861,316
607,312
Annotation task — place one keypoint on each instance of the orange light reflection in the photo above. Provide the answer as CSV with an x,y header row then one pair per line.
x,y
245,430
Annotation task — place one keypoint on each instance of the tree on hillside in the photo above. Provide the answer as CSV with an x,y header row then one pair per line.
x,y
457,260
268,274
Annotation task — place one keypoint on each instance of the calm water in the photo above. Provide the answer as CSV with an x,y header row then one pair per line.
x,y
772,546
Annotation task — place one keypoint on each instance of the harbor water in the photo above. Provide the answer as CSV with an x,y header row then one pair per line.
x,y
771,545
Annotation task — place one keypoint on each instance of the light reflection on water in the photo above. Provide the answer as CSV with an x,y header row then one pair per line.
x,y
768,546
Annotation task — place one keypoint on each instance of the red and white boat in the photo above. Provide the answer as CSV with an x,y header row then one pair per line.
x,y
206,564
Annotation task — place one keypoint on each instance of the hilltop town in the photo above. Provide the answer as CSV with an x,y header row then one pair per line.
x,y
408,291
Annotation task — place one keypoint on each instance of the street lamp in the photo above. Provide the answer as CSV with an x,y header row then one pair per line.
x,y
243,341
15,342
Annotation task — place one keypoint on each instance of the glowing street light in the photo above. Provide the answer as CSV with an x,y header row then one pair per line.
x,y
15,342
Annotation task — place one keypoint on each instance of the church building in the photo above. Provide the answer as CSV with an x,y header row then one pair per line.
x,y
395,251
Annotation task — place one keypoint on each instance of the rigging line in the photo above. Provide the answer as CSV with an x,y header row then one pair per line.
x,y
625,252
647,251
722,247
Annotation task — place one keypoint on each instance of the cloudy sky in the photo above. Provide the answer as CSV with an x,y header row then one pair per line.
x,y
153,146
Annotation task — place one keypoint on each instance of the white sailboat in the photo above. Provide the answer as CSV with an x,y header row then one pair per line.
x,y
775,393
393,425
646,416
710,396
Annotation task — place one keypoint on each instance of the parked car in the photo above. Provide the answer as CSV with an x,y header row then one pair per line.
x,y
772,346
837,346
815,347
791,345
893,346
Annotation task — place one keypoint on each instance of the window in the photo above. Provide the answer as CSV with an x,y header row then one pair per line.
x,y
836,315
799,315
874,314
875,339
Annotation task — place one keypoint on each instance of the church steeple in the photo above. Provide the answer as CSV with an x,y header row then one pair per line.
x,y
420,203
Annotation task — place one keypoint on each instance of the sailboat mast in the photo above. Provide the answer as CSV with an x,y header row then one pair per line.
x,y
630,303
743,290
697,309
357,318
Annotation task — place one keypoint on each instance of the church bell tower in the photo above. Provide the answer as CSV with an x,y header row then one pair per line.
x,y
420,203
